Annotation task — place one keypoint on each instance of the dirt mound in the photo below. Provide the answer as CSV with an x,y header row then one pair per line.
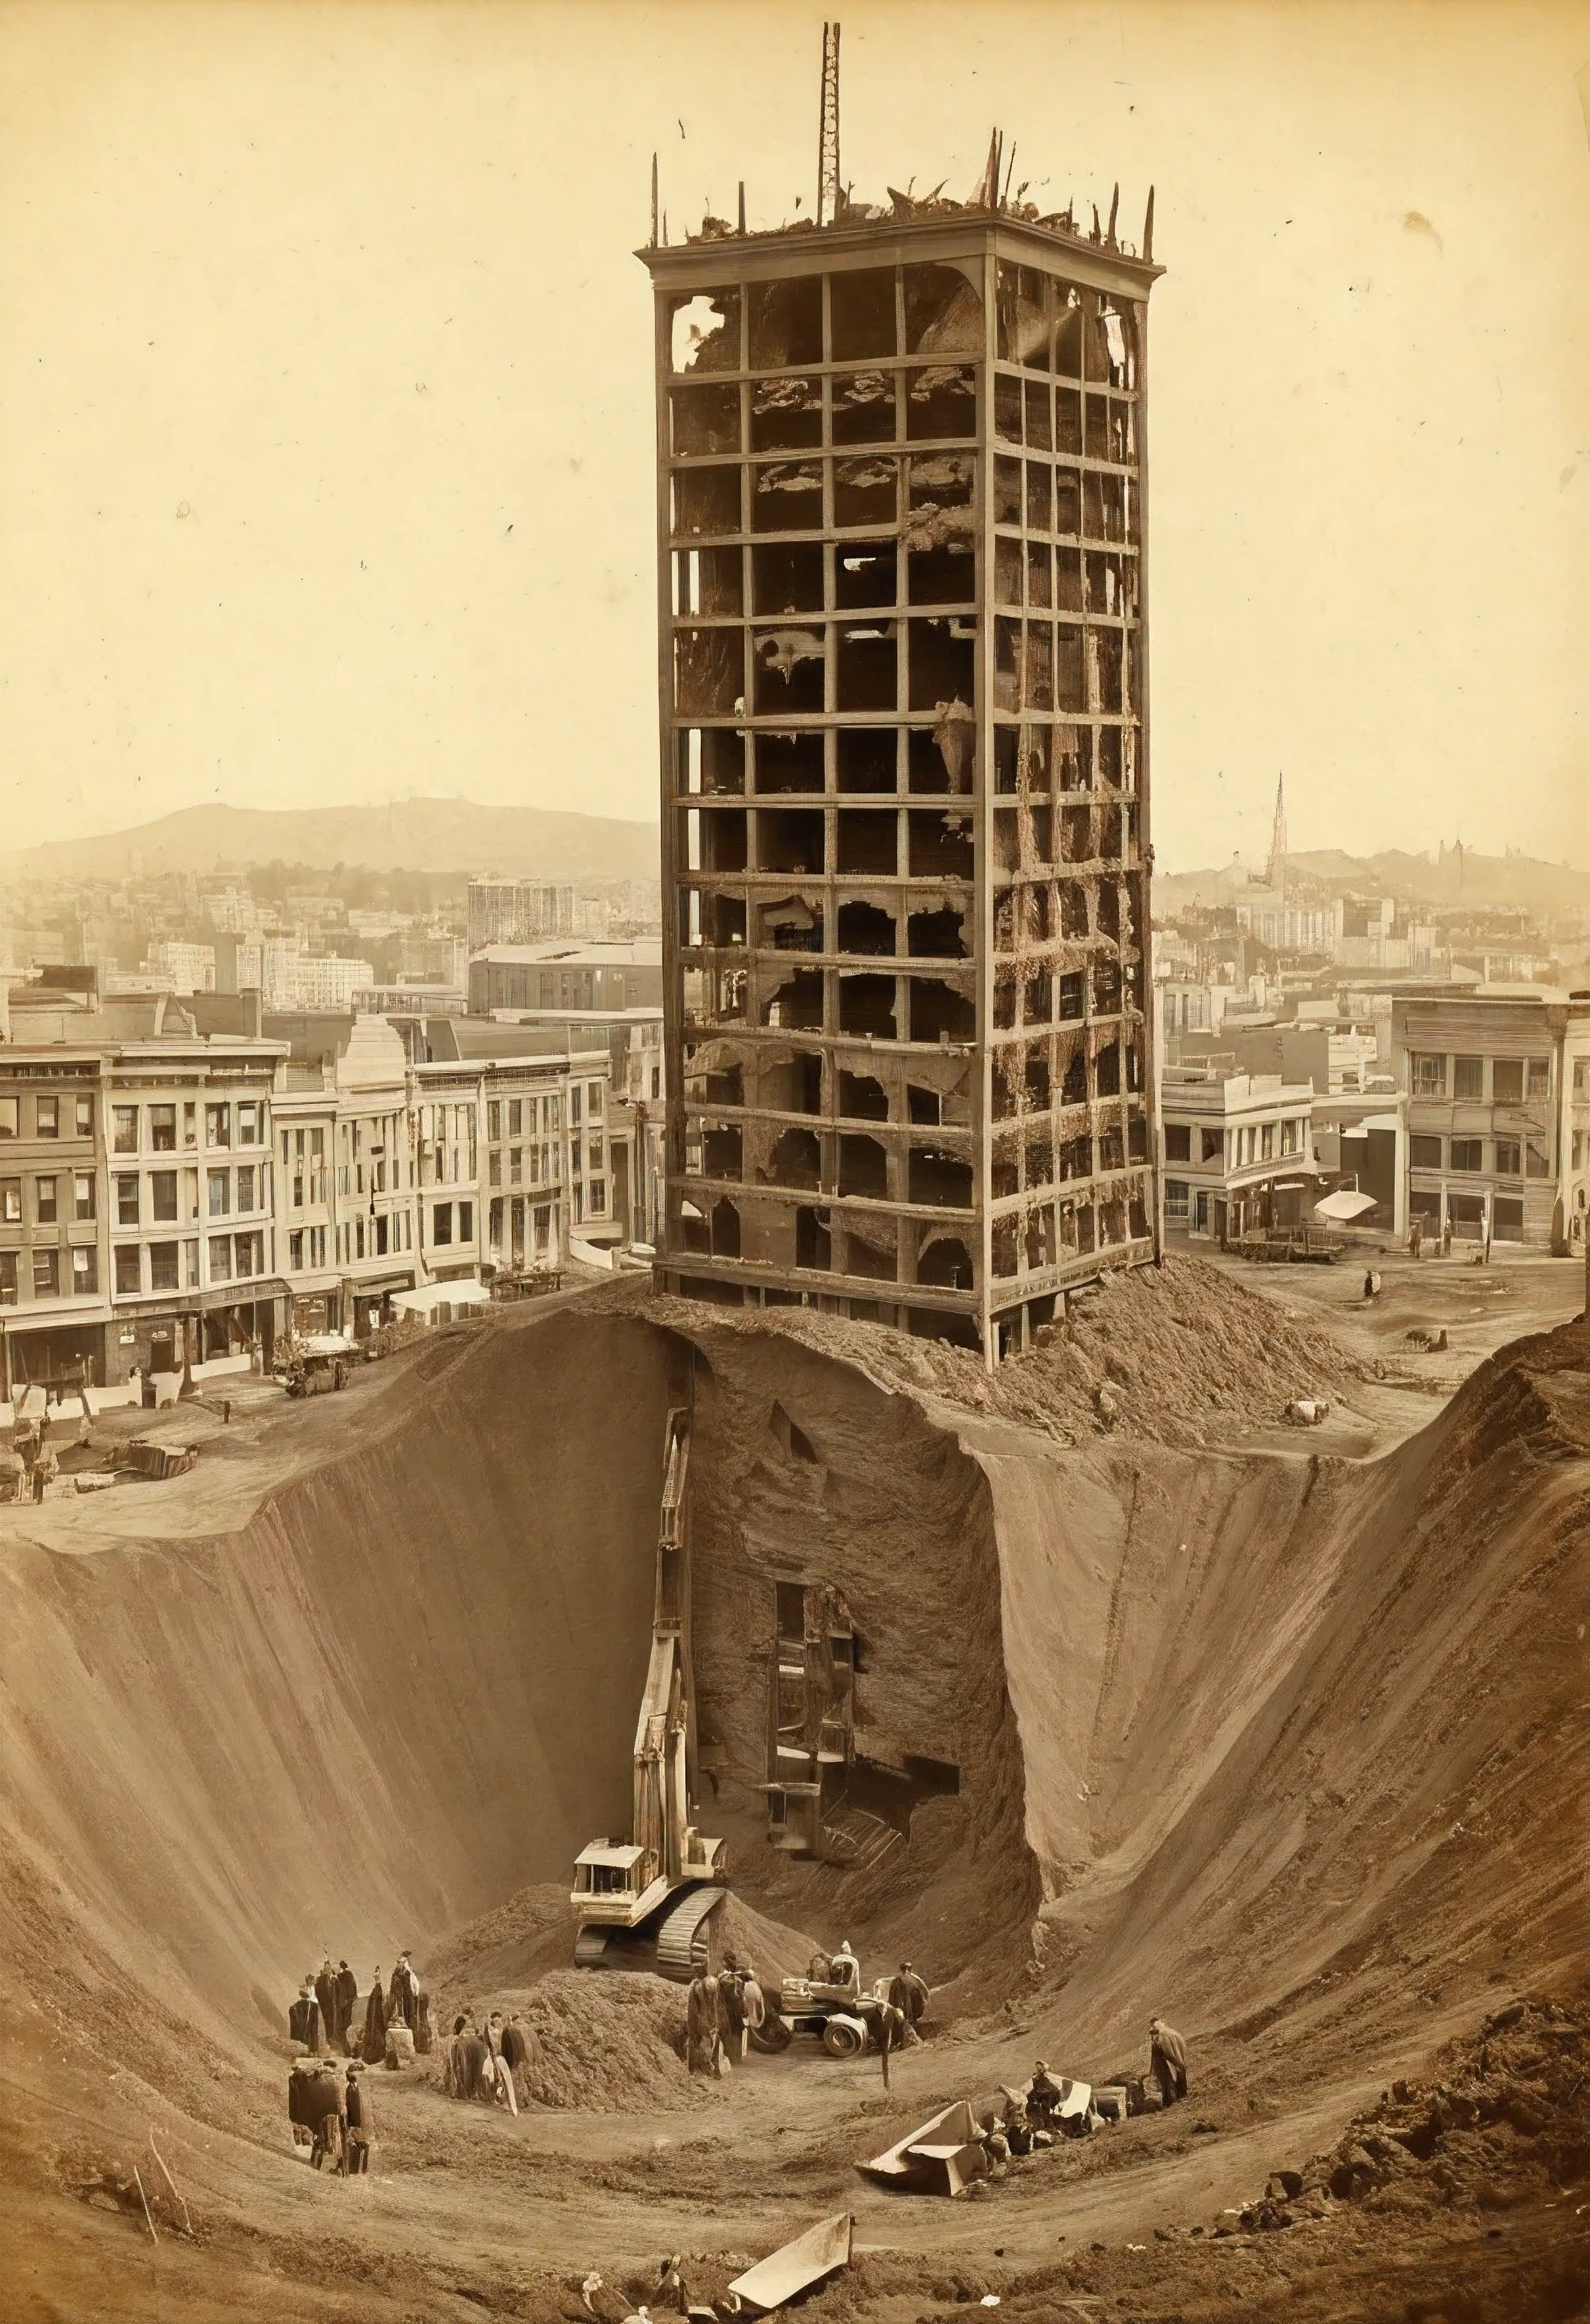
x,y
1182,1352
610,2044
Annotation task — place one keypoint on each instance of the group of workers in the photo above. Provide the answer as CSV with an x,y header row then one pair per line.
x,y
492,2058
332,2115
721,2013
321,2017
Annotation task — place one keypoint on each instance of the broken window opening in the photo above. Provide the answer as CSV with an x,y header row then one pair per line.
x,y
942,402
1035,1077
1009,491
1074,909
1007,571
872,1248
787,496
1067,590
936,935
869,842
866,1005
725,1228
1071,685
926,772
940,845
1109,916
1003,1249
1074,1084
726,1085
863,928
1067,502
794,1158
864,408
868,758
704,331
707,581
786,415
695,1234
866,492
705,501
720,1151
786,321
1039,1158
1067,330
1007,408
711,759
791,925
813,1242
1106,1072
787,577
943,312
923,1105
1073,996
1005,988
1039,420
863,1168
722,918
861,314
862,1099
789,762
1040,573
939,1013
790,670
866,572
708,679
1036,997
791,1084
947,1264
943,575
797,1004
942,662
716,839
867,672
1067,419
705,420
1077,1158
1021,316
789,839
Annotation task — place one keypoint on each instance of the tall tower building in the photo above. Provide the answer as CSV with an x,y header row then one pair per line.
x,y
1275,874
903,678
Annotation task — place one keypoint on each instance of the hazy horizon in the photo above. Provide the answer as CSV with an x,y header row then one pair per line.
x,y
329,464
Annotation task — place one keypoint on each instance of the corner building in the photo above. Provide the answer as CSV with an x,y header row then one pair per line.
x,y
903,681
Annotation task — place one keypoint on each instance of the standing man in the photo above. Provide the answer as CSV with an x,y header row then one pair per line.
x,y
752,2000
703,2033
1167,2061
347,1994
403,2000
325,1995
360,2113
908,1993
303,2019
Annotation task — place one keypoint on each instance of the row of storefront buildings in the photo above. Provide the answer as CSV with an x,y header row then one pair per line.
x,y
184,1182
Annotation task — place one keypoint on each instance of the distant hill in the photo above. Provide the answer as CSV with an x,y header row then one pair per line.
x,y
407,835
1448,881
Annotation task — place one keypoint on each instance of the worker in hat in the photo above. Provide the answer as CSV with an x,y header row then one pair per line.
x,y
1167,2061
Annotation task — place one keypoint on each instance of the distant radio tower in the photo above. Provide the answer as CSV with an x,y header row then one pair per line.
x,y
1275,874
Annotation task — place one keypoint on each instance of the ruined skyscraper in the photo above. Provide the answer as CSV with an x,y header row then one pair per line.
x,y
905,801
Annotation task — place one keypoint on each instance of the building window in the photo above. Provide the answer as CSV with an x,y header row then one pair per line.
x,y
1468,1154
578,1207
163,1195
190,1124
598,1196
245,1186
515,1165
1176,1199
1178,1145
85,1269
1424,1153
127,1199
46,1273
129,1269
575,1153
494,1118
162,1267
190,1266
594,1100
1581,1075
162,1128
1510,1160
1267,1148
1537,1160
441,1222
574,1102
219,1181
251,1123
45,1206
295,1251
50,1117
218,1125
85,1117
656,1081
10,1116
250,1254
494,1167
1428,1076
123,1136
1507,1081
8,1275
1468,1078
1507,1219
221,1259
466,1221
1211,1146
10,1201
83,1195
1540,1077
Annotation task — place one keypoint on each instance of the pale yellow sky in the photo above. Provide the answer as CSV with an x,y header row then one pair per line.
x,y
306,305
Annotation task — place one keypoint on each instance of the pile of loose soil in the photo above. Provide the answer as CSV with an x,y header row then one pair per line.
x,y
611,2044
1174,1353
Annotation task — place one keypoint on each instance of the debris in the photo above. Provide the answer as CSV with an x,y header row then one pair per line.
x,y
941,2157
821,2252
171,2182
144,2199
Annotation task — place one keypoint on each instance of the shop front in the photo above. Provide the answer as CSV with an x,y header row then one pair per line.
x,y
62,1354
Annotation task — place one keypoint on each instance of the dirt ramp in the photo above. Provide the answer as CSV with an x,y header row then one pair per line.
x,y
403,1688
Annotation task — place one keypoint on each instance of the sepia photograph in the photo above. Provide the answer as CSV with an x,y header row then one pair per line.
x,y
808,802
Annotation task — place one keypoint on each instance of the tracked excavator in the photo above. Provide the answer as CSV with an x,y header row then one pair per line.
x,y
647,1902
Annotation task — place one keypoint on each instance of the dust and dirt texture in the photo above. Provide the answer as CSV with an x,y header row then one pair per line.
x,y
1278,1732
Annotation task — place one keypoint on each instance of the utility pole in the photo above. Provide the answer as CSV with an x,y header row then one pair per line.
x,y
827,161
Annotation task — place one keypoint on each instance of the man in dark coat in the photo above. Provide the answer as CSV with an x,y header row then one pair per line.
x,y
470,2057
325,1995
402,2001
303,2019
908,1994
1043,2095
327,2119
1167,2061
373,2046
347,1994
298,2100
360,2110
521,2050
888,2023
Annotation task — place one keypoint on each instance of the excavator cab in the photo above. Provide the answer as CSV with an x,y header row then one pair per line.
x,y
645,1903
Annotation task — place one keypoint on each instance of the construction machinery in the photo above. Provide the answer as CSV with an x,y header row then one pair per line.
x,y
647,1902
